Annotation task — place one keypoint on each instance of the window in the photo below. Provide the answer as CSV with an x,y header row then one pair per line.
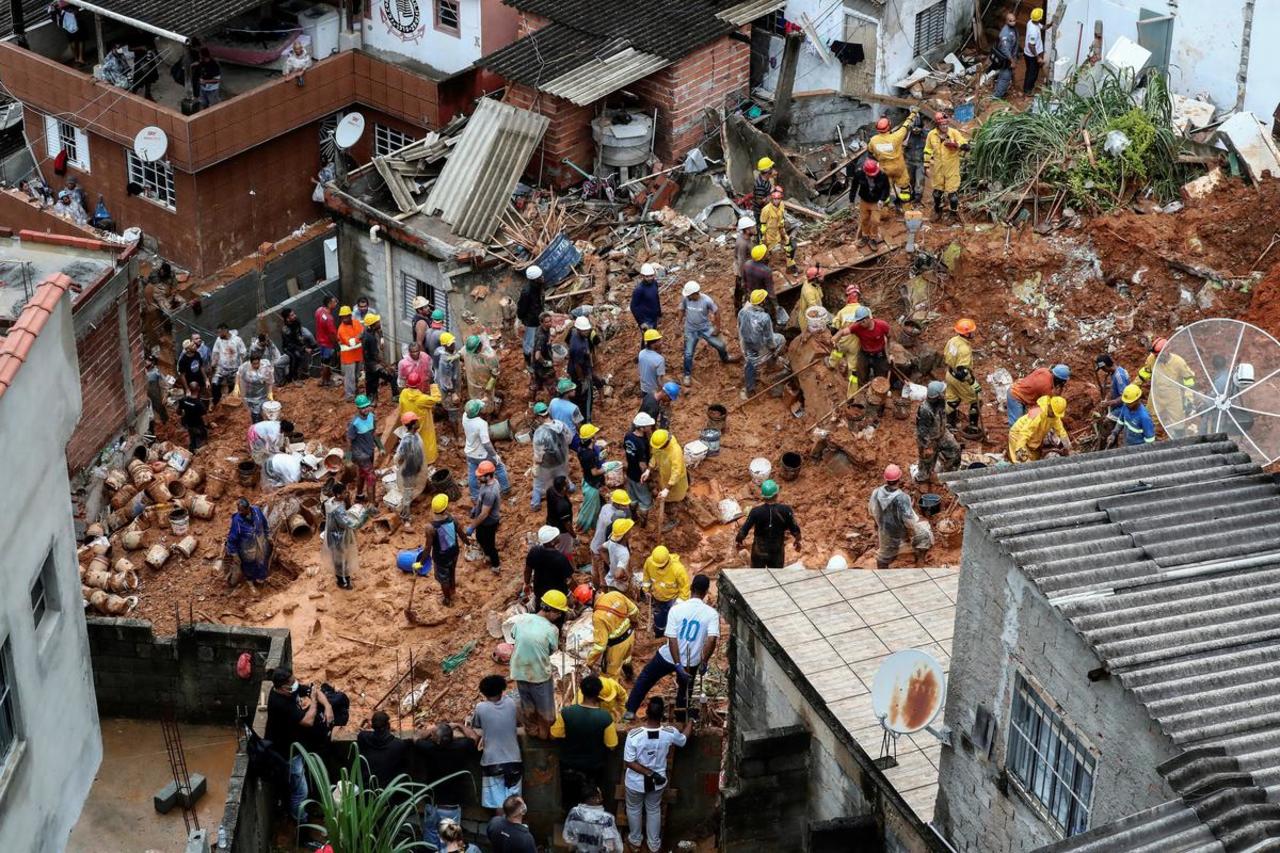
x,y
1048,761
774,22
60,136
449,17
931,27
412,287
156,180
388,139
43,596
8,709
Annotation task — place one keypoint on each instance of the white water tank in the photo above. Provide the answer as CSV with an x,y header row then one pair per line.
x,y
321,24
623,143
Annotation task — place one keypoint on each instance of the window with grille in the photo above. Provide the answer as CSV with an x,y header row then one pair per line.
x,y
156,180
8,706
931,27
1048,761
774,22
448,16
59,136
388,139
43,599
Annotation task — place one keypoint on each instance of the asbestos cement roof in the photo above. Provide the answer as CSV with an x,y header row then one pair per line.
x,y
1166,559
185,17
477,180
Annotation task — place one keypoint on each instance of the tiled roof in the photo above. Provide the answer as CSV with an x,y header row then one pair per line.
x,y
184,17
34,12
1166,560
16,345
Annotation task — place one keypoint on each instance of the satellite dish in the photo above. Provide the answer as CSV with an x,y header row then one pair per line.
x,y
150,144
349,130
908,691
1223,376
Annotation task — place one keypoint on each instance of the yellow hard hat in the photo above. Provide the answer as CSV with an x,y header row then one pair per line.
x,y
759,296
659,438
1037,15
446,339
764,164
371,318
1058,406
344,311
758,252
620,527
439,503
1130,393
620,497
587,430
660,556
651,335
556,600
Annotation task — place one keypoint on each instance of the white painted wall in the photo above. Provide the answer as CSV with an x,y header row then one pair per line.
x,y
44,783
895,52
1205,55
408,27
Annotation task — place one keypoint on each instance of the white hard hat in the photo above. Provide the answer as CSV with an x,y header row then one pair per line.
x,y
533,273
690,288
746,222
420,302
647,270
838,562
643,419
548,534
582,323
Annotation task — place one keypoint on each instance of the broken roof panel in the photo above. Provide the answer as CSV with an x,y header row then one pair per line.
x,y
481,173
746,12
598,77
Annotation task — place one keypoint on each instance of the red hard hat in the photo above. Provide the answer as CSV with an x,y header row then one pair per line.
x,y
485,467
1158,344
939,117
882,124
871,167
414,379
582,593
811,273
892,474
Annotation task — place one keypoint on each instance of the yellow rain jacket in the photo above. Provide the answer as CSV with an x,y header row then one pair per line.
x,y
421,404
1166,386
773,226
887,149
669,463
1026,436
959,354
943,161
667,582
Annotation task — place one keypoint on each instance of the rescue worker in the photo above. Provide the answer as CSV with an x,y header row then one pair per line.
x,y
413,400
962,386
551,441
666,581
256,378
810,295
1003,56
364,444
933,439
1033,55
338,550
1166,385
742,247
766,179
449,379
421,325
657,404
592,464
350,351
410,466
758,275
614,571
563,409
651,365
529,307
771,522
1112,380
480,366
873,349
635,447
249,540
701,318
581,363
887,147
672,479
444,542
942,151
773,228
431,343
870,189
1040,432
376,371
613,634
1134,422
619,506
646,306
760,344
1041,382
896,521
542,365
915,157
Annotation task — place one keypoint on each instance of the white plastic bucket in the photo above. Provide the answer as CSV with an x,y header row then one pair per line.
x,y
695,452
271,410
760,469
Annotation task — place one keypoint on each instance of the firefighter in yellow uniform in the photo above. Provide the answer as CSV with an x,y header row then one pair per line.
x,y
667,581
962,384
773,228
942,150
1166,384
613,633
1039,431
887,147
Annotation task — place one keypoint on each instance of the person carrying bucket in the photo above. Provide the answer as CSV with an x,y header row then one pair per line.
x,y
338,550
249,541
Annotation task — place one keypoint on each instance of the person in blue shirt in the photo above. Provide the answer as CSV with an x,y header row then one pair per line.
x,y
565,410
1112,380
646,307
249,540
1134,422
650,365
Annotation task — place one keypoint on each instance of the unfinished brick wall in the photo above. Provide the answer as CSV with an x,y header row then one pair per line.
x,y
568,137
683,91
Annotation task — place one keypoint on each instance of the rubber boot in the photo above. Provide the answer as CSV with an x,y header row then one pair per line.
x,y
883,564
954,201
953,416
937,203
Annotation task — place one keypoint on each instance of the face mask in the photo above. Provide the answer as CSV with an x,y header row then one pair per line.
x,y
294,687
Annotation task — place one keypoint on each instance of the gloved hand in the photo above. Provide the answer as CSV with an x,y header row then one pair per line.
x,y
976,386
682,673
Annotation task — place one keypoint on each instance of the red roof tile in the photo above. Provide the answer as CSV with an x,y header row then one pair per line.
x,y
16,346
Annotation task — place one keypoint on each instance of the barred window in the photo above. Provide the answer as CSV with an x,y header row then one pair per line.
x,y
931,27
156,180
448,16
388,139
1048,761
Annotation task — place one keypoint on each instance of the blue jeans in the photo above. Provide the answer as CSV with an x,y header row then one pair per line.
x,y
691,343
1016,409
431,817
749,374
526,345
297,788
473,484
654,671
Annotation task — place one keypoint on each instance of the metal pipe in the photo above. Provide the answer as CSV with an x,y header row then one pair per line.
x,y
133,22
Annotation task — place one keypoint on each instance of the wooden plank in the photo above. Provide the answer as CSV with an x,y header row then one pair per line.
x,y
909,103
403,199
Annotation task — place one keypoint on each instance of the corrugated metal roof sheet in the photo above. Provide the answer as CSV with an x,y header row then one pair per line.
x,y
744,13
481,173
596,78
1166,560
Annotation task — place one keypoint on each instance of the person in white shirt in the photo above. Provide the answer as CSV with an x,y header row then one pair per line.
x,y
1033,51
267,438
296,63
281,469
645,757
228,354
617,558
591,829
479,447
693,629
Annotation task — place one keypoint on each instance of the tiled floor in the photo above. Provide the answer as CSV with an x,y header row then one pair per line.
x,y
839,626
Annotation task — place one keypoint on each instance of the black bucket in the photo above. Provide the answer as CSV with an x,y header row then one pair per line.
x,y
930,503
791,463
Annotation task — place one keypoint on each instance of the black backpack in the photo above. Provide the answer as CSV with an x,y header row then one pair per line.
x,y
264,761
340,703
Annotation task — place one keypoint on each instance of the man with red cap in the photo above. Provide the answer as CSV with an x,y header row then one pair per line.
x,y
870,190
942,151
886,146
896,521
415,361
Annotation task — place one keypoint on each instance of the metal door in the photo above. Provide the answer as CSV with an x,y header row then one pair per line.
x,y
862,76
1155,33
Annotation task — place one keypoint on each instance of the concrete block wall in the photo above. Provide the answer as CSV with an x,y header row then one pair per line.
x,y
1005,625
768,803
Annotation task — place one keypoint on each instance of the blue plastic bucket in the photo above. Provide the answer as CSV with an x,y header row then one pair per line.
x,y
406,559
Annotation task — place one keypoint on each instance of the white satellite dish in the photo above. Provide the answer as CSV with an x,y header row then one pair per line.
x,y
349,130
908,691
150,144
1221,375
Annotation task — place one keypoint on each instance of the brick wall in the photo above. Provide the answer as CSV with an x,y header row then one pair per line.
x,y
19,214
567,137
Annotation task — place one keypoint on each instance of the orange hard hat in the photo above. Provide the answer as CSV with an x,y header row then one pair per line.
x,y
871,167
811,273
582,593
485,467
965,326
1158,344
892,473
882,124
408,418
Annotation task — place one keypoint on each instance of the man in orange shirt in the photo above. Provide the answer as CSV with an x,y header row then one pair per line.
x,y
350,351
1041,382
